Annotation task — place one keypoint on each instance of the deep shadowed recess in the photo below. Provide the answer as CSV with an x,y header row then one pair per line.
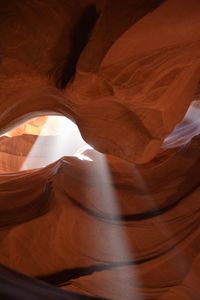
x,y
85,25
79,37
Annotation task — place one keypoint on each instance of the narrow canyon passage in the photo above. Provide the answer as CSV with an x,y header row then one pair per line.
x,y
99,150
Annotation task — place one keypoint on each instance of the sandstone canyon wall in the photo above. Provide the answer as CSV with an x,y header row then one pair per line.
x,y
125,223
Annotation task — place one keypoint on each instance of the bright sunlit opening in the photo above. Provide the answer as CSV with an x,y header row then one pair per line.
x,y
64,140
188,128
52,137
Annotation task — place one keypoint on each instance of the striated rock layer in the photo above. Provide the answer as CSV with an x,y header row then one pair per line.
x,y
128,234
124,224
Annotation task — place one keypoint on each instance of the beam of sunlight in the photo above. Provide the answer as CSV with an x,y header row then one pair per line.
x,y
66,141
159,220
147,196
116,243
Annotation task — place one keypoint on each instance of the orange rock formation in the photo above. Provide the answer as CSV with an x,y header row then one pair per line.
x,y
125,224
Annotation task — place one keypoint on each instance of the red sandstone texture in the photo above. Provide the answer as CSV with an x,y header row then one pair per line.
x,y
124,225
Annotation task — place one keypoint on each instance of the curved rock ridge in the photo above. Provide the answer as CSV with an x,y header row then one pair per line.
x,y
122,223
143,78
107,234
134,95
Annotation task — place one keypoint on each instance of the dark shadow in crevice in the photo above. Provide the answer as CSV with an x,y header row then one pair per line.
x,y
64,277
79,38
14,285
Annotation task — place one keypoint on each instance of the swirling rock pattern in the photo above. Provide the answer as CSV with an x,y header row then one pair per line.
x,y
126,224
